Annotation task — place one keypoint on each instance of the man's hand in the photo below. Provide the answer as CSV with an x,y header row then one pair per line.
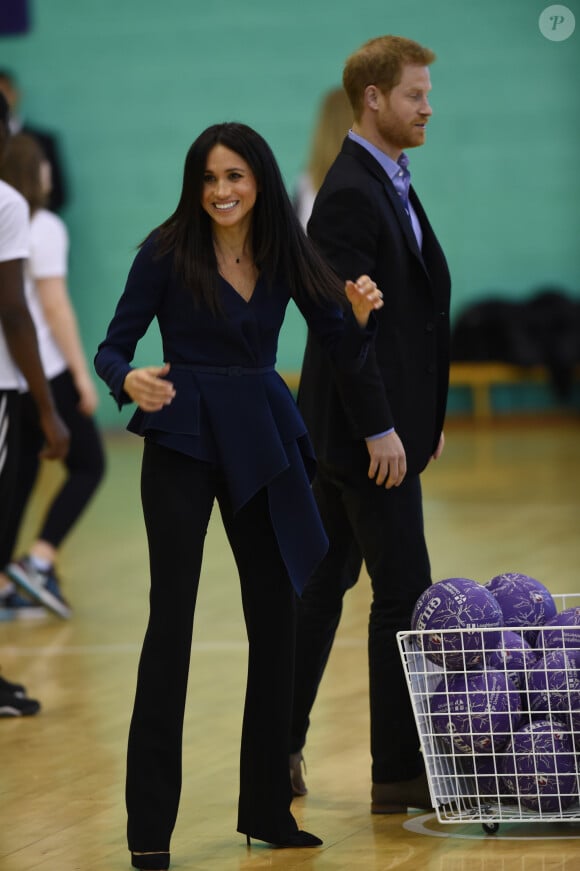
x,y
148,388
388,465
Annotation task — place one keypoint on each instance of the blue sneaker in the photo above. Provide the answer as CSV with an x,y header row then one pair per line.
x,y
40,585
16,607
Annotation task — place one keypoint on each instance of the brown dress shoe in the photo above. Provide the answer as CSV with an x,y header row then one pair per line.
x,y
396,798
296,779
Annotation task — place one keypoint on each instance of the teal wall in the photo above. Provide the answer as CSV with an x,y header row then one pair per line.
x,y
129,84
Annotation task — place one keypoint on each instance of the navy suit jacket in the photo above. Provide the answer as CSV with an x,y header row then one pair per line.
x,y
360,226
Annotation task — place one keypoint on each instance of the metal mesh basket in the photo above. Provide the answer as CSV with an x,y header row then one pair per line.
x,y
500,743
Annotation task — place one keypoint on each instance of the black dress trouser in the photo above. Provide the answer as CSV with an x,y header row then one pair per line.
x,y
177,494
385,529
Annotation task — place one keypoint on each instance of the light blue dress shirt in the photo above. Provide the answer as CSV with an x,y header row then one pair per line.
x,y
400,176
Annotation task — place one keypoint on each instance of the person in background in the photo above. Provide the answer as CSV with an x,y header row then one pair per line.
x,y
65,365
58,197
332,124
19,360
220,423
373,438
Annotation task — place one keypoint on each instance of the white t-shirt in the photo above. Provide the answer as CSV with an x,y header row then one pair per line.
x,y
48,259
14,245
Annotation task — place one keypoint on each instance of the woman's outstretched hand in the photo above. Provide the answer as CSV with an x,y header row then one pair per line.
x,y
148,387
364,297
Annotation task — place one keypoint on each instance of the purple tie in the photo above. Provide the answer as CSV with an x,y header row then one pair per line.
x,y
402,181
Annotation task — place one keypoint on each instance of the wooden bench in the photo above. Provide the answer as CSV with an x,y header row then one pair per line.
x,y
480,378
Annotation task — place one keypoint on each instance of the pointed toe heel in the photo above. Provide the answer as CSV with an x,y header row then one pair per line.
x,y
300,839
294,839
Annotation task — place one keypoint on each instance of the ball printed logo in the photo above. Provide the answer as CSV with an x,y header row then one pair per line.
x,y
456,603
429,610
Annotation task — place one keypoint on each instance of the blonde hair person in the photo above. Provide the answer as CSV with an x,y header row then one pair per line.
x,y
332,124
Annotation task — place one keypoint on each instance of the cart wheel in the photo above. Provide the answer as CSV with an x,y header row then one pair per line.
x,y
490,828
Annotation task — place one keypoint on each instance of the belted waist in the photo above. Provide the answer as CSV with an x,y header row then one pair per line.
x,y
232,371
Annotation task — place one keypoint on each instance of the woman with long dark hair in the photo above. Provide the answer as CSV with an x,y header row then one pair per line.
x,y
220,423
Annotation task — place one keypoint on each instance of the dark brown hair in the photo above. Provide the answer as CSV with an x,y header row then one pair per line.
x,y
281,248
20,168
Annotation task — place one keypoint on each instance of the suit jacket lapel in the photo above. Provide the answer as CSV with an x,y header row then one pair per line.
x,y
372,166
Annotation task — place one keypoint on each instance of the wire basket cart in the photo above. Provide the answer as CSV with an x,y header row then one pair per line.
x,y
499,732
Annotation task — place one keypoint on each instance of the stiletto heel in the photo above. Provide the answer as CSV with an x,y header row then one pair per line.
x,y
150,861
248,842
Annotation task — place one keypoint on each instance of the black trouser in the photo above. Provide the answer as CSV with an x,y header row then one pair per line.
x,y
178,493
385,528
84,464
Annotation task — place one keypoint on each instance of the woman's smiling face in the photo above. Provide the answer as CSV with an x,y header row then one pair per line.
x,y
229,187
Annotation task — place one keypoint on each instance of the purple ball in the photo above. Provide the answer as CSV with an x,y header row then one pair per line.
x,y
524,601
513,656
554,691
475,712
538,767
562,631
484,781
457,603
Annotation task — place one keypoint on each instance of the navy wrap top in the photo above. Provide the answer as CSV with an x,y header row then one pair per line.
x,y
231,407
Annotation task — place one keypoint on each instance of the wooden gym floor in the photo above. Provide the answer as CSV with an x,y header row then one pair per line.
x,y
503,497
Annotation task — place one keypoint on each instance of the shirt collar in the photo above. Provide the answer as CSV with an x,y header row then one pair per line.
x,y
390,166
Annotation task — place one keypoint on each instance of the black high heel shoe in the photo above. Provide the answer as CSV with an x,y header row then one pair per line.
x,y
150,861
294,839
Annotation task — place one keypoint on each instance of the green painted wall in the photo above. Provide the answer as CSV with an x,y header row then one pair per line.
x,y
129,84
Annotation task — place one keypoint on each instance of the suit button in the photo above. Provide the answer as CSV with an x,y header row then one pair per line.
x,y
429,326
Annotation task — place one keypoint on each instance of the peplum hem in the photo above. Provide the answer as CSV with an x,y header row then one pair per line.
x,y
250,425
